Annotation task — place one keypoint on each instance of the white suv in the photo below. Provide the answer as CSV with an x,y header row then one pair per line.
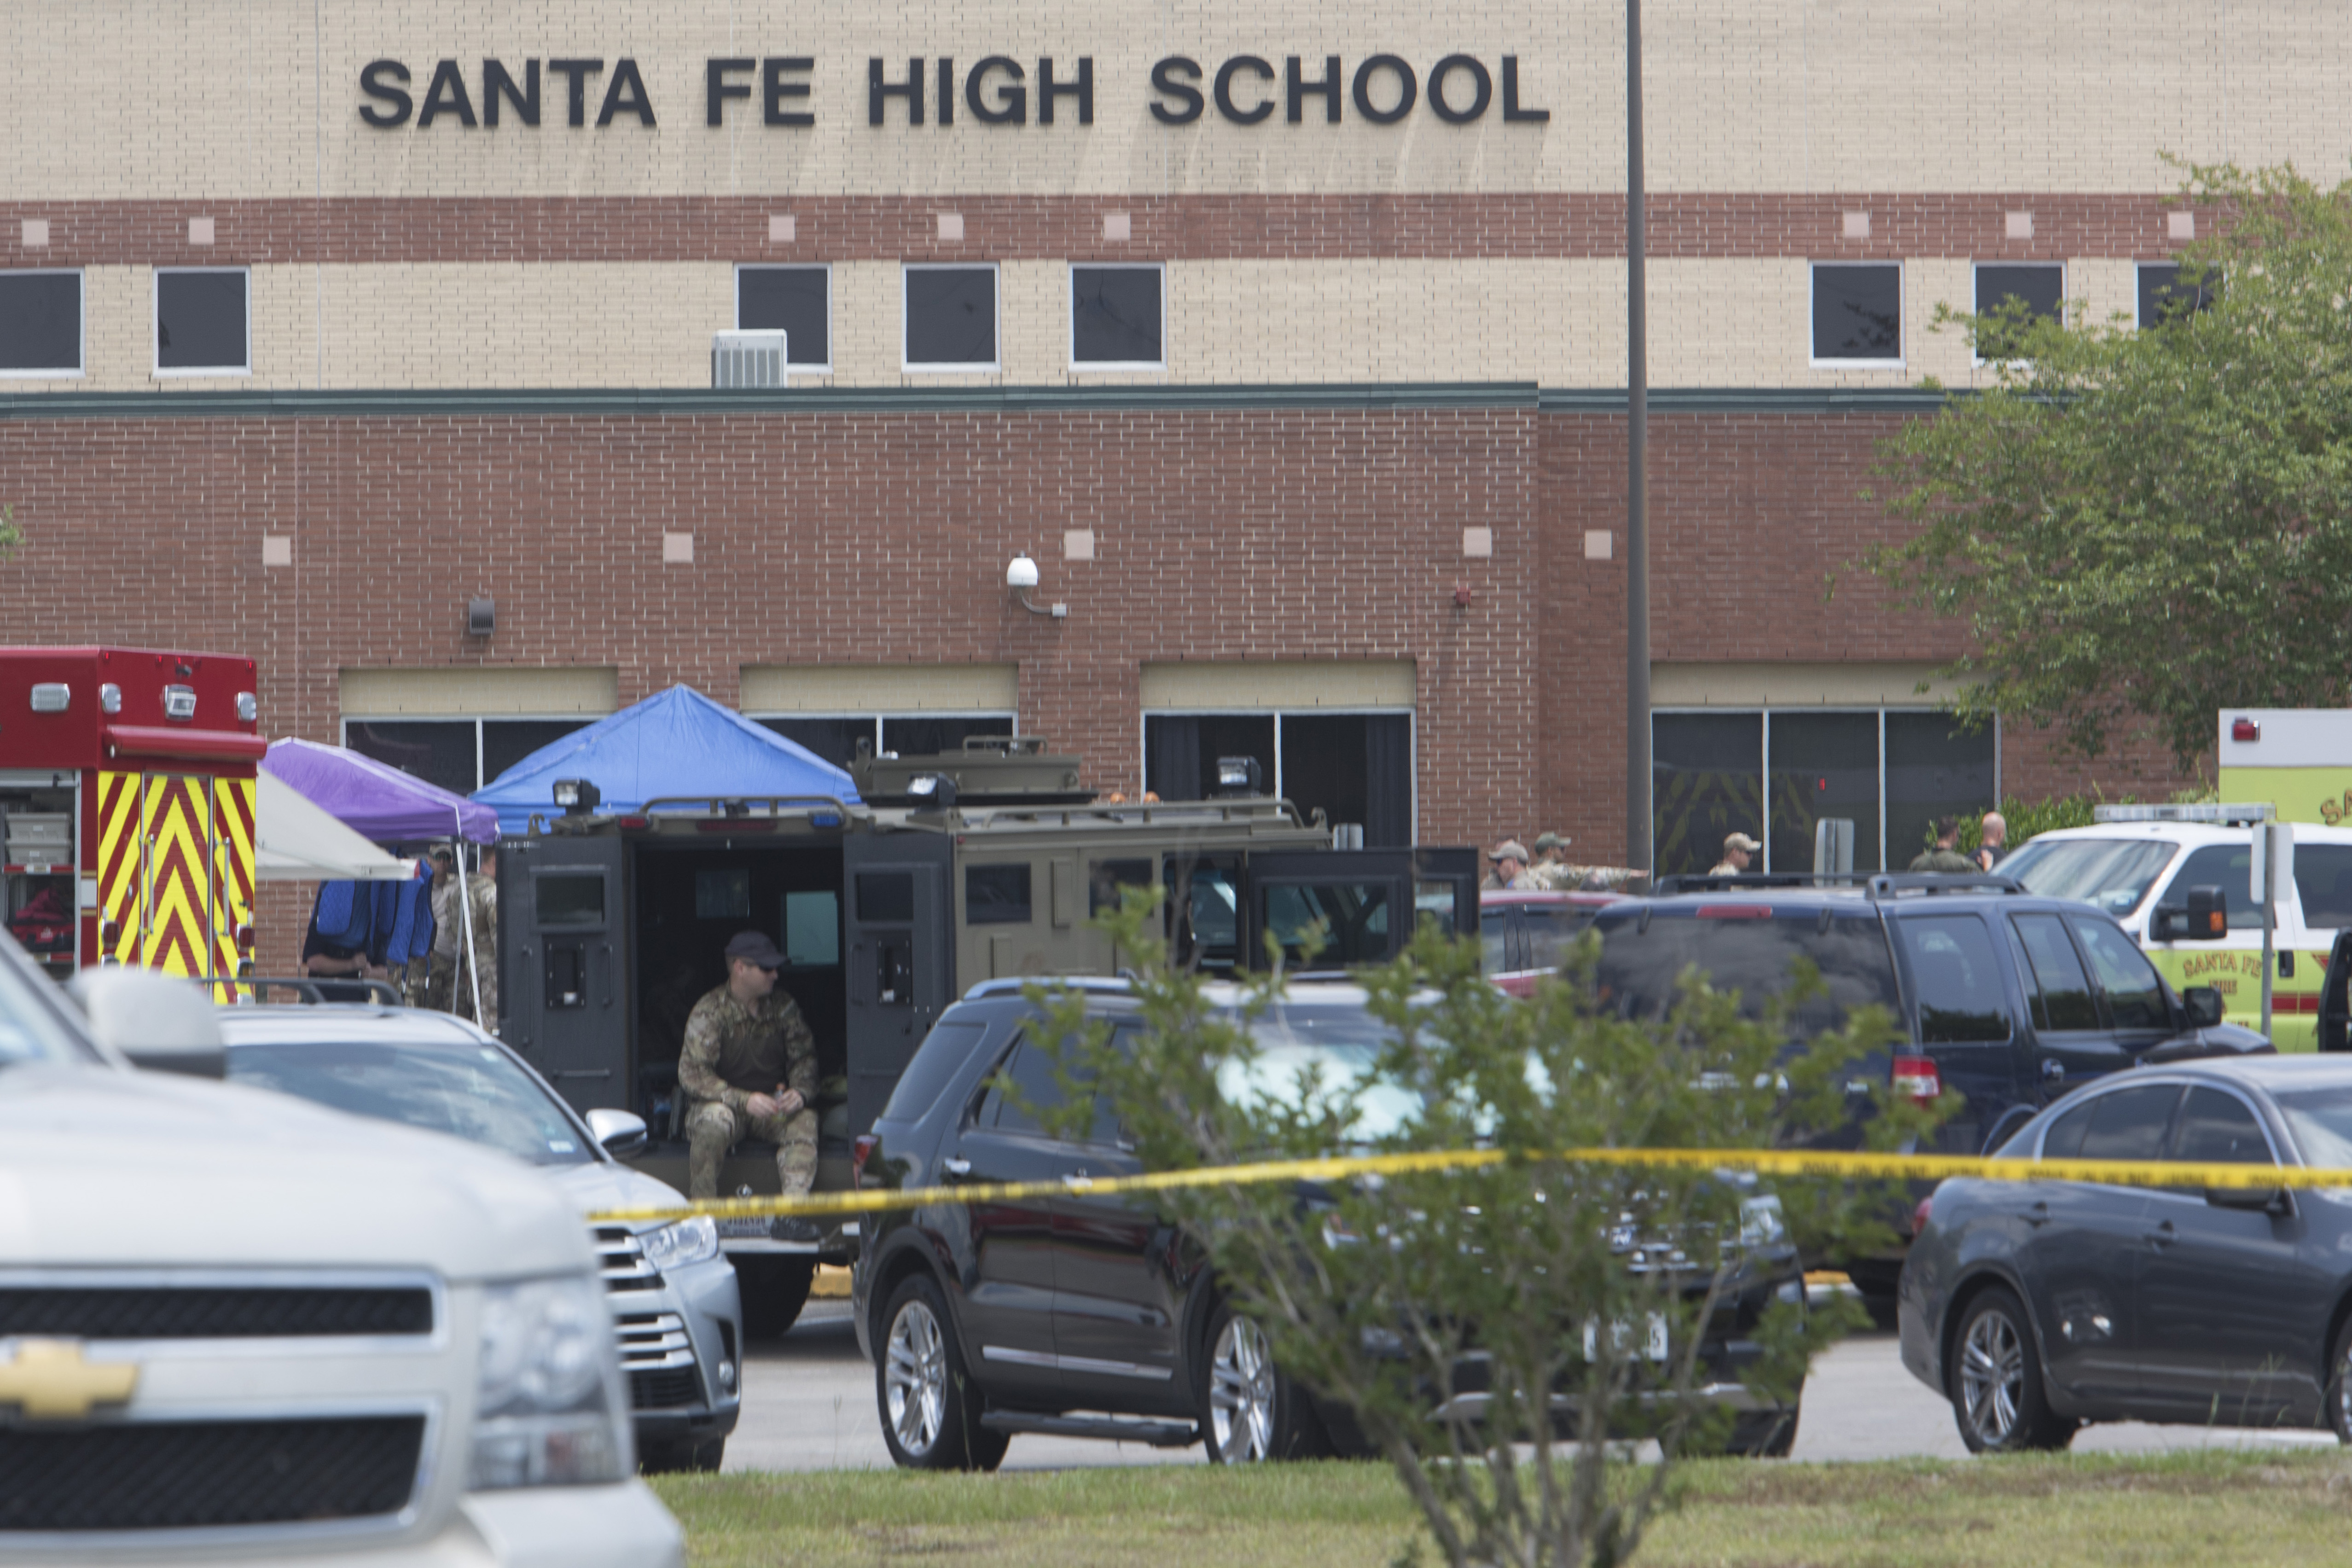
x,y
236,1328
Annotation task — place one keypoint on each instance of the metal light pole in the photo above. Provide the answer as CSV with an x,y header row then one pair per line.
x,y
1639,821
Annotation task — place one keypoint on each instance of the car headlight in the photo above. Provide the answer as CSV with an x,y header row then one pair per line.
x,y
550,1410
690,1240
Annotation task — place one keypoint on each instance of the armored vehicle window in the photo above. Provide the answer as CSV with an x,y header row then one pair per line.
x,y
812,929
2135,995
937,1060
1755,956
1957,977
2218,1128
2053,975
40,323
570,897
1105,878
724,894
951,318
200,322
1329,924
884,897
793,300
1115,316
996,895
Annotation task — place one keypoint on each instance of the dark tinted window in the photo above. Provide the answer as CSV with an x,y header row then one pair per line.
x,y
1933,768
833,739
440,752
2162,294
923,737
200,321
1823,764
952,315
40,322
2229,867
1114,315
996,895
886,896
2130,1123
2038,286
1708,781
2061,992
1331,924
1858,312
2135,997
791,300
2219,1129
1024,1090
1957,976
2064,1140
942,1053
570,897
1105,878
1551,931
2323,880
1755,957
506,741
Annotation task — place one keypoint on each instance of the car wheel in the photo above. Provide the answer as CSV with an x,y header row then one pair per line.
x,y
1250,1410
2339,1386
1764,1434
930,1407
773,1290
1997,1390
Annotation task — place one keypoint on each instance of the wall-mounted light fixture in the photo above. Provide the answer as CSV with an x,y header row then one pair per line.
x,y
1020,576
481,617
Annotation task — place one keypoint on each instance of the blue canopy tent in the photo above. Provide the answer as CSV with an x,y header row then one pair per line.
x,y
676,742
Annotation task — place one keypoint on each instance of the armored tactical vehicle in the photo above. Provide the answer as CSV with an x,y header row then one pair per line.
x,y
948,870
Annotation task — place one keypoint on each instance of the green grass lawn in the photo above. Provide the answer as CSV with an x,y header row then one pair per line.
x,y
2195,1509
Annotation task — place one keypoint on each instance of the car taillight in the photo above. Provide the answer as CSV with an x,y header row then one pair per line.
x,y
1919,1214
1916,1077
858,1154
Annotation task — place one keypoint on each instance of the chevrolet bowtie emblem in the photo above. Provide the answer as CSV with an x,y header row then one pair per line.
x,y
48,1381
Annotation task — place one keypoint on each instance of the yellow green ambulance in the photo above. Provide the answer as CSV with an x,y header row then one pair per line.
x,y
2138,860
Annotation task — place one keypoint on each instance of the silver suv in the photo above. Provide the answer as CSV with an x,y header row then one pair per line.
x,y
236,1328
672,1295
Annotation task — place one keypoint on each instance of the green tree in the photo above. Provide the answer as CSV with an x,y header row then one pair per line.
x,y
2141,527
1377,1291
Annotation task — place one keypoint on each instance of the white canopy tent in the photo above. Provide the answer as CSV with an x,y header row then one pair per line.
x,y
296,841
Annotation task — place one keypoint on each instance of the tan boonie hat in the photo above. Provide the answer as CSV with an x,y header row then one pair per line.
x,y
1740,841
1509,850
1551,841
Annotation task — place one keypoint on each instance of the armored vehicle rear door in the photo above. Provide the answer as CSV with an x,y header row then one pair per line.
x,y
896,923
1329,908
564,1000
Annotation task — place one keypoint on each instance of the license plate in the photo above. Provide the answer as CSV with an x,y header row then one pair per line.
x,y
1650,1337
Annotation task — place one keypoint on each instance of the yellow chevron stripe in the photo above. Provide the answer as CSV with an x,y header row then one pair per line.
x,y
119,827
179,905
232,874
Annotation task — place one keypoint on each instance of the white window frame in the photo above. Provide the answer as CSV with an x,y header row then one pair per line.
x,y
996,300
791,366
1764,778
81,324
1902,319
1411,735
155,322
1070,280
1976,300
344,731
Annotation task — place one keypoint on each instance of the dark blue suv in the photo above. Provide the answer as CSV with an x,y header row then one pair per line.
x,y
2005,998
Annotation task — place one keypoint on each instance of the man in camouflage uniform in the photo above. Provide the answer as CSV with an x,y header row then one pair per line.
x,y
1551,872
432,983
482,908
749,1068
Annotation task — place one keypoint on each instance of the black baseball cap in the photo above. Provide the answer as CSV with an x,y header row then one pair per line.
x,y
753,947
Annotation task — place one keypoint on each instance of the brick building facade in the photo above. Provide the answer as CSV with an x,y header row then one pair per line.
x,y
1371,467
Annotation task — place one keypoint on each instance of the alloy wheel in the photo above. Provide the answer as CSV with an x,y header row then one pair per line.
x,y
1241,1393
915,1378
1992,1378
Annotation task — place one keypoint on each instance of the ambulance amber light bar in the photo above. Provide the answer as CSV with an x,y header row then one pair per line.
x,y
2224,815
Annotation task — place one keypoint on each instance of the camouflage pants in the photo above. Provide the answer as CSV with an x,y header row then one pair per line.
x,y
441,984
450,989
712,1129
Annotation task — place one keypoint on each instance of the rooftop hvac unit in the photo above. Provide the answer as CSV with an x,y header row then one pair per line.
x,y
747,359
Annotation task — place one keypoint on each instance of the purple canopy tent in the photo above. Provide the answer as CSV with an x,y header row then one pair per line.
x,y
376,800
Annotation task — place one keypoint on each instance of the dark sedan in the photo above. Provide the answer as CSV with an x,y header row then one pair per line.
x,y
2040,1307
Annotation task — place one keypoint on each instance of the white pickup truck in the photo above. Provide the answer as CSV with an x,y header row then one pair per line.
x,y
233,1328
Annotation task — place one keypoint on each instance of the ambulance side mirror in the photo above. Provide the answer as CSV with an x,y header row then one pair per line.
x,y
2205,918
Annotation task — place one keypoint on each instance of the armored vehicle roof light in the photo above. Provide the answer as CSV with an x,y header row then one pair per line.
x,y
1239,775
936,792
578,798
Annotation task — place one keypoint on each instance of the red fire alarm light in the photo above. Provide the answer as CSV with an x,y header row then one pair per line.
x,y
2245,730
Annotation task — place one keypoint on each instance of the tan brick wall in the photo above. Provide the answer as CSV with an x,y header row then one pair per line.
x,y
158,99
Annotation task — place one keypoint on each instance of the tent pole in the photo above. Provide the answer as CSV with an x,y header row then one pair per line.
x,y
465,920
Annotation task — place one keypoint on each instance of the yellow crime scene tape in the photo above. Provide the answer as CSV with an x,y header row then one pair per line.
x,y
1763,1161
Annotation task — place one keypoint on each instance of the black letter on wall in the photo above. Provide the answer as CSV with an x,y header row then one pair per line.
x,y
497,84
717,89
1363,90
775,89
1163,80
576,74
624,76
1083,90
403,106
1011,101
878,90
447,96
1447,67
1224,89
1511,110
1327,88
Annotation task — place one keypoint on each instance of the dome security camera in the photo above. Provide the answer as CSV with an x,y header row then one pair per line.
x,y
1021,572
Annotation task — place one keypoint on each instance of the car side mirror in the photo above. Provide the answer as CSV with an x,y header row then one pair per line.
x,y
2276,1202
158,1022
2205,918
2203,1005
621,1133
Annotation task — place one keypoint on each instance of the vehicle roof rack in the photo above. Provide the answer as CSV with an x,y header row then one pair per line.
x,y
308,988
1898,884
1753,881
1876,884
2239,815
1014,985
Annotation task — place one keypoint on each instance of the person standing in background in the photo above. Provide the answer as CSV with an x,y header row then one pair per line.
x,y
1992,842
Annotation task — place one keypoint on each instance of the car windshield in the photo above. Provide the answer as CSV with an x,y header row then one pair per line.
x,y
2113,873
1751,948
33,1024
463,1087
1308,1056
2321,1121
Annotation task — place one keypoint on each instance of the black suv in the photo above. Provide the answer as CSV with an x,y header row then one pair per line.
x,y
1094,1316
2006,998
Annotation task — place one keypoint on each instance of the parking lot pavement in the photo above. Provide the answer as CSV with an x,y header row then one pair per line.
x,y
808,1404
